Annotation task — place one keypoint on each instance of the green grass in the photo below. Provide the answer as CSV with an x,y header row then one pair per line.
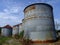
x,y
3,39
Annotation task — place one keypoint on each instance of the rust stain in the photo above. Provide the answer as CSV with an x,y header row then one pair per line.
x,y
38,17
29,8
30,17
47,41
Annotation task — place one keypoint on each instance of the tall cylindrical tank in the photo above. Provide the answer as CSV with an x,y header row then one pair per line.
x,y
39,22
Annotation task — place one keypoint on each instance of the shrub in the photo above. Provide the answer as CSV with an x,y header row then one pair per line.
x,y
21,34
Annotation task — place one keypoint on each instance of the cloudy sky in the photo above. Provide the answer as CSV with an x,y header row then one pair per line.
x,y
11,11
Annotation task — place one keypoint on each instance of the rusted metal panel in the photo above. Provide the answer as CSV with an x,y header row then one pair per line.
x,y
30,8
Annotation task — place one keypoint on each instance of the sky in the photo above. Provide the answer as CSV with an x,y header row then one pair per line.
x,y
11,11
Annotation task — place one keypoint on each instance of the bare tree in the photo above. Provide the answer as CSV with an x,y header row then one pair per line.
x,y
57,25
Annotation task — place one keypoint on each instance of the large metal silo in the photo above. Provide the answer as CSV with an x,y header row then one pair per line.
x,y
39,22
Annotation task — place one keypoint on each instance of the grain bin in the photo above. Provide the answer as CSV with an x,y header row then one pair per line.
x,y
6,31
15,31
39,22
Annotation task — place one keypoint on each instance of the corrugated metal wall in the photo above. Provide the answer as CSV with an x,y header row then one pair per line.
x,y
15,30
39,22
6,32
20,28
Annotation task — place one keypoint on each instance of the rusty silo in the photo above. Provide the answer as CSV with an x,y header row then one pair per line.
x,y
39,22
